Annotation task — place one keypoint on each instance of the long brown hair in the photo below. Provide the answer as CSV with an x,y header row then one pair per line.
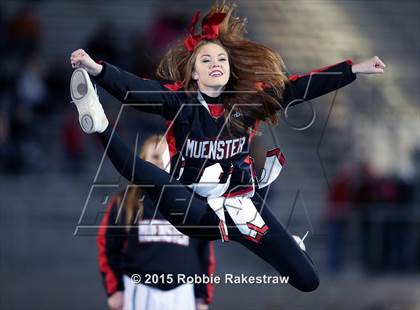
x,y
132,204
252,65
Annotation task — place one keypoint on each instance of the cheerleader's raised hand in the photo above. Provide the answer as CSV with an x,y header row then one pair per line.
x,y
80,59
370,66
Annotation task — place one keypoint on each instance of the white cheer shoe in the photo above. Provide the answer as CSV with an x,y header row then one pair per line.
x,y
92,117
299,241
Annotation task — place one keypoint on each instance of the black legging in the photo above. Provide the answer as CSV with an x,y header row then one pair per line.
x,y
191,215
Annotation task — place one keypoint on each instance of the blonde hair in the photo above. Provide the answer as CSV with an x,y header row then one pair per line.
x,y
132,204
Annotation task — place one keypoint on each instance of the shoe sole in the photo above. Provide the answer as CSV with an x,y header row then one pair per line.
x,y
79,90
78,85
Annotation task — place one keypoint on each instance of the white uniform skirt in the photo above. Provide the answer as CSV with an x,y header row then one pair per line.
x,y
144,297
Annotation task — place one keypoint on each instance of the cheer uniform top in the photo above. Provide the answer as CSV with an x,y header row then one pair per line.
x,y
197,135
151,247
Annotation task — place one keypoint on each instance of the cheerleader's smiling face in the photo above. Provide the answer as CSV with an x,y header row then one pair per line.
x,y
211,69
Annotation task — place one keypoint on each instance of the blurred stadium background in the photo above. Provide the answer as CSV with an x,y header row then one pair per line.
x,y
352,178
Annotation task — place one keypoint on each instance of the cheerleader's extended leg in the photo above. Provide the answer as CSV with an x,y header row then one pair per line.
x,y
278,248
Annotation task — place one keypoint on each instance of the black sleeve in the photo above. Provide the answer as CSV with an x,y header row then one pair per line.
x,y
110,242
207,267
317,83
146,95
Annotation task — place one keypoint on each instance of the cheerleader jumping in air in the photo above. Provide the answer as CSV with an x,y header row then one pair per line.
x,y
215,87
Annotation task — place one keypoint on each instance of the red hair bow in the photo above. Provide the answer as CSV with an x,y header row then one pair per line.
x,y
210,29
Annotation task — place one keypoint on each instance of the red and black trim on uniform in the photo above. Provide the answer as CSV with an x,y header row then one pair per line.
x,y
257,238
261,231
223,232
210,271
276,152
295,77
109,264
